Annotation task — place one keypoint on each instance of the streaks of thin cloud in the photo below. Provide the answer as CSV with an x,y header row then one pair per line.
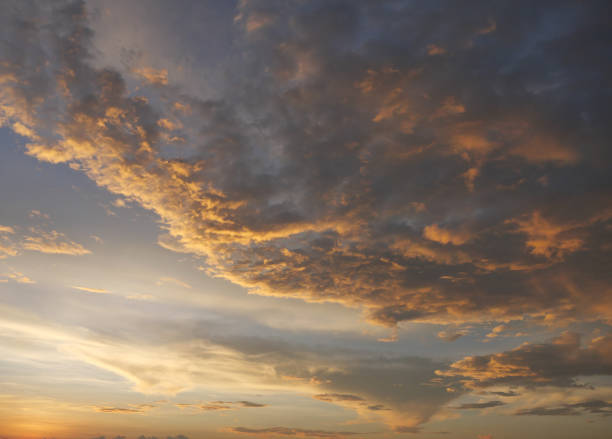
x,y
92,290
173,281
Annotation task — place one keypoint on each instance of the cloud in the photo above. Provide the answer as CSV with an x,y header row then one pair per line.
x,y
6,229
206,407
558,363
153,76
250,404
496,331
302,177
138,408
92,290
17,277
443,236
288,431
171,280
450,336
330,397
546,238
506,394
593,406
222,405
52,242
479,405
13,240
396,391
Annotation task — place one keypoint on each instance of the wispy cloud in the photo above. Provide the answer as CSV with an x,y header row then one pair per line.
x,y
92,290
173,281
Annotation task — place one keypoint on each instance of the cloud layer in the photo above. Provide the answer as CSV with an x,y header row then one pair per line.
x,y
558,363
353,162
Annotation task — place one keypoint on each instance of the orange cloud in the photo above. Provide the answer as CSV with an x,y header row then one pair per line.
x,y
92,290
558,363
153,76
436,233
546,238
52,242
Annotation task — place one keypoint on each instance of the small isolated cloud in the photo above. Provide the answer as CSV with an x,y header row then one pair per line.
x,y
436,233
450,335
97,239
510,393
250,404
38,214
288,431
334,397
16,277
221,405
92,290
378,407
479,405
120,410
433,49
131,409
173,281
495,332
206,407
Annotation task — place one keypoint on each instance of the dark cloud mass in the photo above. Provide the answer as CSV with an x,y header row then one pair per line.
x,y
593,406
429,162
558,363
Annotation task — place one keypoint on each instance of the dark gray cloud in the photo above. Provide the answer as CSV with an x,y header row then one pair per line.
x,y
593,406
479,405
416,160
558,363
221,405
337,397
505,394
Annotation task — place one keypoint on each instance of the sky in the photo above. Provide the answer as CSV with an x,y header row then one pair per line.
x,y
319,219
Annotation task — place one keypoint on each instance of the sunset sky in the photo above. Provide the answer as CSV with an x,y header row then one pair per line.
x,y
316,219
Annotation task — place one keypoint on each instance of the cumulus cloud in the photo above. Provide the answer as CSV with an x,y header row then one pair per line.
x,y
558,363
302,180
